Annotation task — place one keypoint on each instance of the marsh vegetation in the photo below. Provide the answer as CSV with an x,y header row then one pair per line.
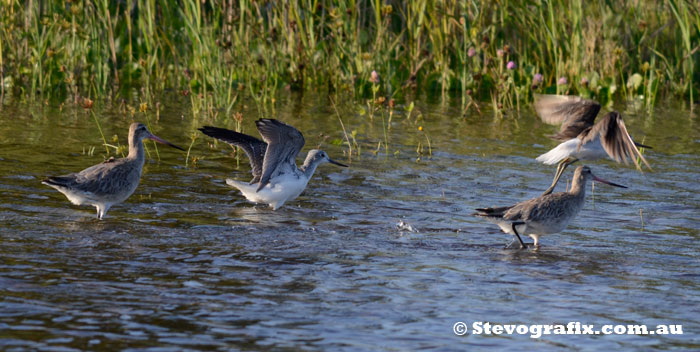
x,y
477,52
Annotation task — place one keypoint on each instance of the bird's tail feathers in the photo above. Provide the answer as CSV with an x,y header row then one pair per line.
x,y
238,184
60,181
492,212
551,157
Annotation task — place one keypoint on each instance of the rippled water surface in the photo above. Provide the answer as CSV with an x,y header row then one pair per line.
x,y
383,255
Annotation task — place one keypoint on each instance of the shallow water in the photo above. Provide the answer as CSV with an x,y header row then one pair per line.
x,y
383,255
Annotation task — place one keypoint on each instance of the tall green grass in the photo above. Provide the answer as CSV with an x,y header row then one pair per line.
x,y
214,51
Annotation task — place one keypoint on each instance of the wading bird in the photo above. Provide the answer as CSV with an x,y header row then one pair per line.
x,y
581,139
546,214
110,182
276,177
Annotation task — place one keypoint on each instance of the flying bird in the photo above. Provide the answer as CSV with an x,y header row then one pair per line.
x,y
581,138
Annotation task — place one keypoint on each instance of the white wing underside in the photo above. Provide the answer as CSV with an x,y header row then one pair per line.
x,y
592,150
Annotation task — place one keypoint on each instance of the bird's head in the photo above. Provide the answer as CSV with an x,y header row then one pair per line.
x,y
138,132
317,157
583,174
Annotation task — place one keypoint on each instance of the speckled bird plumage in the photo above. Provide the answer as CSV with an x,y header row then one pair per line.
x,y
110,182
546,214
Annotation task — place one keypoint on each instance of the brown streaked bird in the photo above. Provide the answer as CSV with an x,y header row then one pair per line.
x,y
110,182
581,138
546,214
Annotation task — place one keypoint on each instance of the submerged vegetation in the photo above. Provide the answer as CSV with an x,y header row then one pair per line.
x,y
214,51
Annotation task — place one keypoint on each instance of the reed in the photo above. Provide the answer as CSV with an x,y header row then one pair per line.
x,y
215,51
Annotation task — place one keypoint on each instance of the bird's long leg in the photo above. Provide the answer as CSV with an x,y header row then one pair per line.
x,y
560,170
522,244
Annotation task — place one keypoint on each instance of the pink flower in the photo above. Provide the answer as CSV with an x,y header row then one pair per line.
x,y
562,81
511,65
499,53
537,79
374,77
471,52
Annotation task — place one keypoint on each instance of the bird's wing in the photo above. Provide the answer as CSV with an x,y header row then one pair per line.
x,y
283,144
104,178
615,139
575,114
544,207
253,147
515,212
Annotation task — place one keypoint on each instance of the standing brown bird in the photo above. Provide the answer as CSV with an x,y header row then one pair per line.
x,y
546,214
110,182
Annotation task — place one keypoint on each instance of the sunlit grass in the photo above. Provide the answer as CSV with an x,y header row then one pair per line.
x,y
213,52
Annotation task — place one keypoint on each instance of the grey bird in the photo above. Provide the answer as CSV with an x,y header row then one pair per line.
x,y
109,182
276,177
581,138
546,214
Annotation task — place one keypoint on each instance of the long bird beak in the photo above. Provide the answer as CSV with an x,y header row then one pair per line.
x,y
640,145
607,182
336,163
159,140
